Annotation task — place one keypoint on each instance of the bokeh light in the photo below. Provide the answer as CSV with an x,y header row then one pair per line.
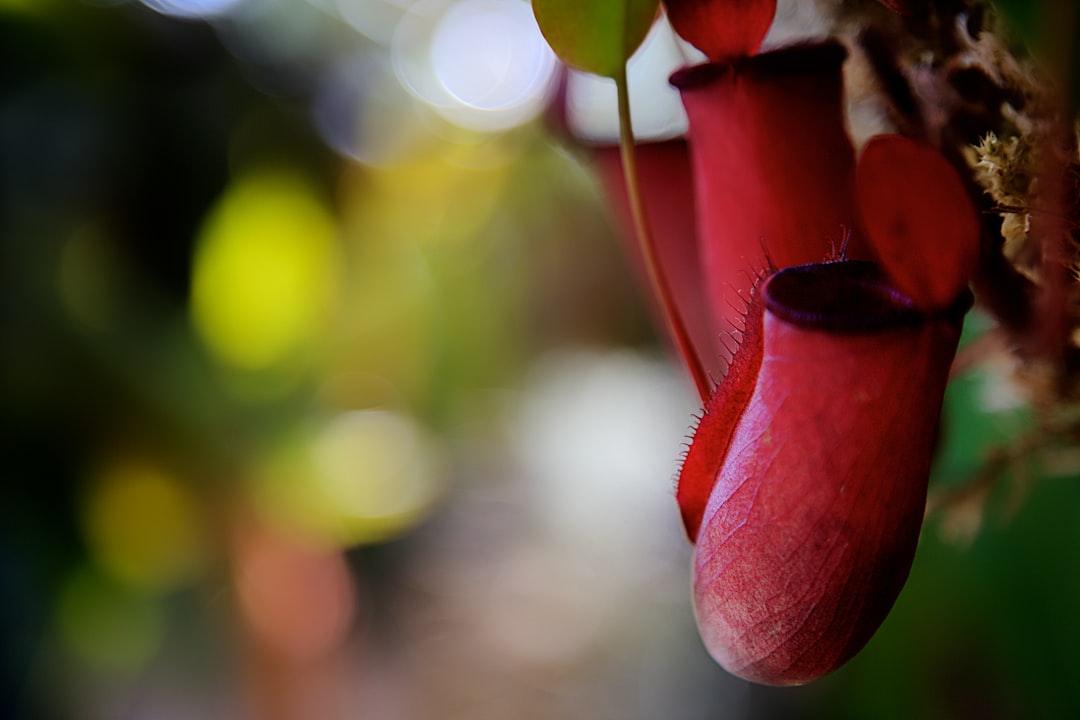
x,y
264,271
490,55
106,625
378,469
143,525
361,477
481,64
364,113
376,19
296,596
194,8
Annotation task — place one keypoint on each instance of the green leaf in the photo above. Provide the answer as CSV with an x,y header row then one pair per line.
x,y
596,36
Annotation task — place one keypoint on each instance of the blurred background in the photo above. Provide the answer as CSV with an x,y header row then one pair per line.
x,y
328,393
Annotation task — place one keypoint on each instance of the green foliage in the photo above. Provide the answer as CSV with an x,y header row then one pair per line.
x,y
1024,17
597,36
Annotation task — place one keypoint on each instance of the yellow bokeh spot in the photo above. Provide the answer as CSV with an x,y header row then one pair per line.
x,y
264,271
143,526
106,626
364,477
376,468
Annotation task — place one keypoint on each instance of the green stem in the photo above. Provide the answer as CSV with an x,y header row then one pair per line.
x,y
648,247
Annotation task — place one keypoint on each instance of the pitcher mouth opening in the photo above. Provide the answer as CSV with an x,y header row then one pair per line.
x,y
847,296
803,58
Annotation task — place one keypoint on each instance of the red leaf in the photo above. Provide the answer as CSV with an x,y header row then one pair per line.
x,y
722,29
918,219
811,527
